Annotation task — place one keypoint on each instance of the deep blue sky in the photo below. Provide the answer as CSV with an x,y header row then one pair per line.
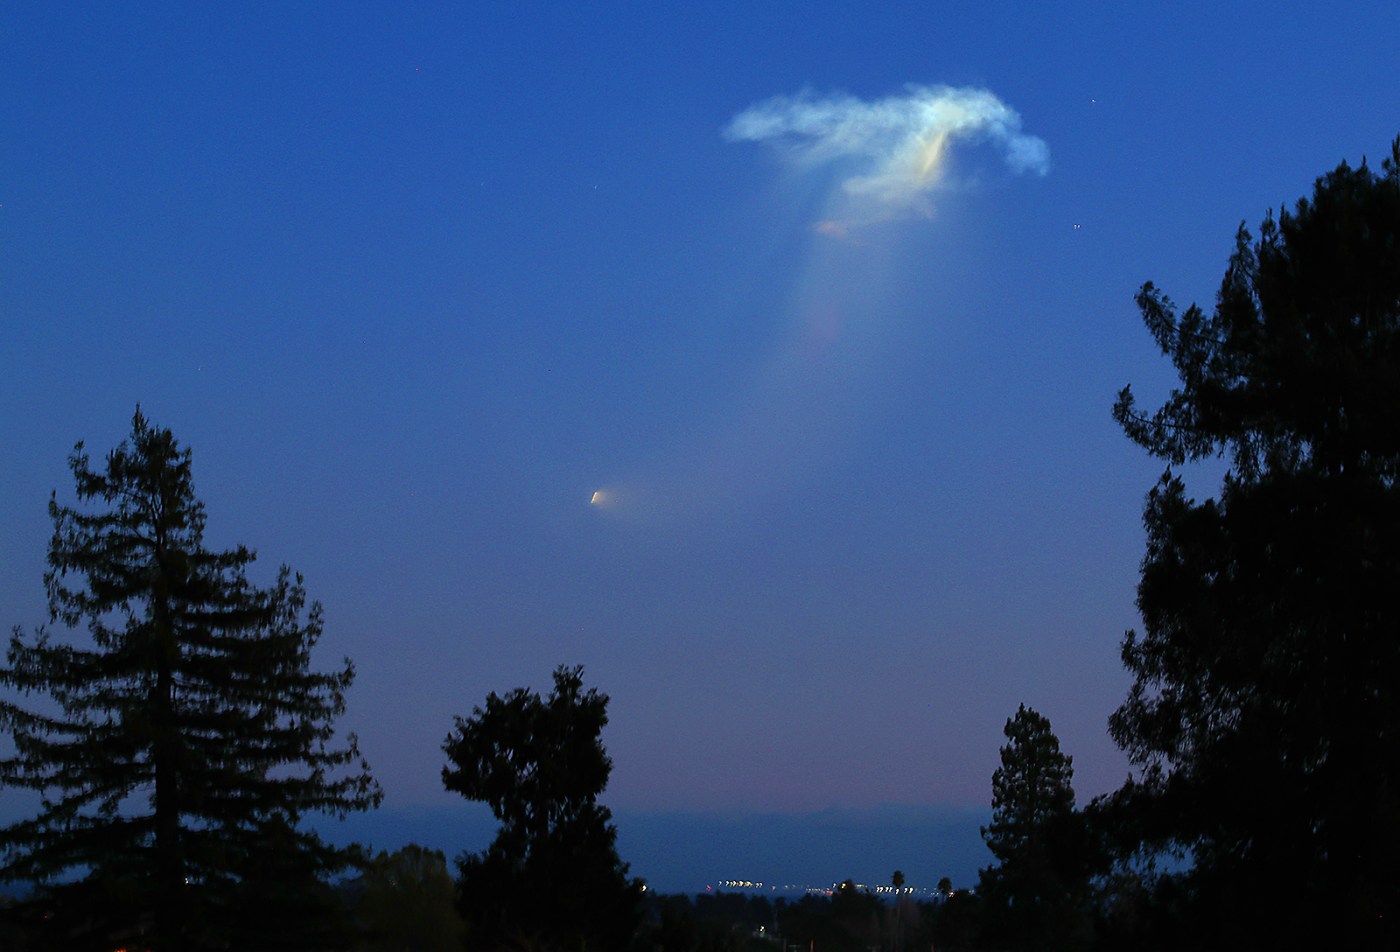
x,y
415,281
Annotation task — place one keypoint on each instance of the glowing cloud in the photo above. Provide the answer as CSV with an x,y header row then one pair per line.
x,y
898,145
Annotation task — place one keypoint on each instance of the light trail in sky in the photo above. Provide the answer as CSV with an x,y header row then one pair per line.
x,y
881,161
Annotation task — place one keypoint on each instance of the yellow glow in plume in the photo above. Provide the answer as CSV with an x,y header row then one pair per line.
x,y
931,156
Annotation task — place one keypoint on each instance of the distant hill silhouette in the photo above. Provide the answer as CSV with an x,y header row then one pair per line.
x,y
679,851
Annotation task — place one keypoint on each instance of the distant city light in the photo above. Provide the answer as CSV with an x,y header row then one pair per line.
x,y
802,888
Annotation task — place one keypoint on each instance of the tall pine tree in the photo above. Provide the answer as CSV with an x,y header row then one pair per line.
x,y
1265,711
1037,896
178,750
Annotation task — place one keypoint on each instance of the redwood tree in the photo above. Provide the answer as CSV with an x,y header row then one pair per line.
x,y
184,738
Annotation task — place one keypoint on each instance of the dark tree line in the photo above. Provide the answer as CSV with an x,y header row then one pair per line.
x,y
848,920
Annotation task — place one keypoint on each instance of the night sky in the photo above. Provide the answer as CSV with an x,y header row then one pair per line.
x,y
827,304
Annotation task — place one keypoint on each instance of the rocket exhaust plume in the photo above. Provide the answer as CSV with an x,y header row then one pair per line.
x,y
894,148
870,162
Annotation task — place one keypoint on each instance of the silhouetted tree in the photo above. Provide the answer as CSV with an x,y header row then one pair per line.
x,y
808,922
406,900
1037,895
552,878
857,914
954,923
897,883
178,751
1265,712
848,921
675,929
